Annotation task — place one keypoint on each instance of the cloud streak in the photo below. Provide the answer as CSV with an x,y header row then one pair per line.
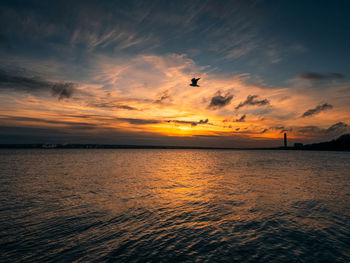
x,y
60,90
192,123
241,119
309,75
139,121
112,105
317,109
164,96
339,127
253,101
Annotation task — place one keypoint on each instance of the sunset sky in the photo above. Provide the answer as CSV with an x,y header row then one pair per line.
x,y
118,72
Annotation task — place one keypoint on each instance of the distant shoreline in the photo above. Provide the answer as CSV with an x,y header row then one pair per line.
x,y
340,144
111,146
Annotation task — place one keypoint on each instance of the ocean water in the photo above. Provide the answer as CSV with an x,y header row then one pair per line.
x,y
141,205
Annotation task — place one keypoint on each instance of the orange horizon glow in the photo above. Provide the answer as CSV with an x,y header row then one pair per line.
x,y
162,102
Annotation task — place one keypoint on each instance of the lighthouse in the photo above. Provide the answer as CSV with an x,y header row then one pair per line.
x,y
285,140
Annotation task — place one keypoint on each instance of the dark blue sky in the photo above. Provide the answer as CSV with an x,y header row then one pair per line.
x,y
230,36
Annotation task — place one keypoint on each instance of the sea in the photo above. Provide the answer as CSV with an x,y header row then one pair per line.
x,y
174,205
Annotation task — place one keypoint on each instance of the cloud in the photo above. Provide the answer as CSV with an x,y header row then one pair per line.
x,y
339,127
250,130
219,101
140,121
309,129
92,121
281,129
126,107
72,125
192,123
137,26
111,105
319,76
241,119
35,84
317,109
62,90
251,100
335,129
164,96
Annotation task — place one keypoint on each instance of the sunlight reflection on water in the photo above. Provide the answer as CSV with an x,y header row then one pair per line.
x,y
174,205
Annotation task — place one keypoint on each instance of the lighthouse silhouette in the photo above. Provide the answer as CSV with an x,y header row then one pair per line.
x,y
285,140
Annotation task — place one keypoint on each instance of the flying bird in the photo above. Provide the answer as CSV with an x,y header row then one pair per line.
x,y
194,82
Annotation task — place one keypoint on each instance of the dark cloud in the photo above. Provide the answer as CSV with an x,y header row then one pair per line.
x,y
206,136
164,96
335,129
192,123
140,121
111,105
320,76
62,90
286,130
317,109
68,124
277,128
219,101
250,130
126,107
282,129
183,122
251,100
339,127
241,119
309,129
101,121
36,85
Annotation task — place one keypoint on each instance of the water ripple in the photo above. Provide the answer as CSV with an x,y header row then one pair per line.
x,y
174,206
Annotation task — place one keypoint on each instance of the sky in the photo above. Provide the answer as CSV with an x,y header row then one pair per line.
x,y
118,72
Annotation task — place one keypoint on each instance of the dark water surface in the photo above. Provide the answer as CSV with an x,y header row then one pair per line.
x,y
174,206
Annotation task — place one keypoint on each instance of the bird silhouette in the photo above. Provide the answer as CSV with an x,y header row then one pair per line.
x,y
194,82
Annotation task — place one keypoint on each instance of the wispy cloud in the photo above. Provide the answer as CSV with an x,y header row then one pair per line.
x,y
192,123
253,101
163,97
316,131
317,109
35,85
309,75
111,105
339,127
241,119
140,121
